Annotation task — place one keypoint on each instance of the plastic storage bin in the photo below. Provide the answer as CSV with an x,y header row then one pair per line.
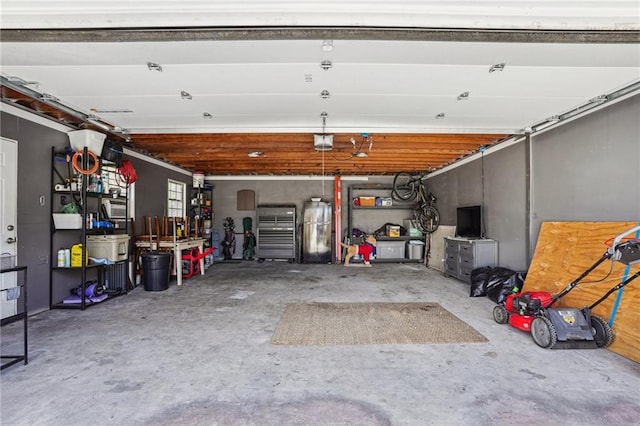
x,y
415,249
93,140
111,247
67,221
155,270
390,250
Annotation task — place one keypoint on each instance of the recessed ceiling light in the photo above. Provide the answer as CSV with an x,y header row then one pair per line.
x,y
326,65
206,115
186,95
256,154
325,94
154,67
463,96
440,116
497,67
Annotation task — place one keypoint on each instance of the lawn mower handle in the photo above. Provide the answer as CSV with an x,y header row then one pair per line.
x,y
616,241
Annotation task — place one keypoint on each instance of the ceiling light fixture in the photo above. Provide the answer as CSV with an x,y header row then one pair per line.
x,y
154,67
206,115
497,67
327,45
326,65
440,116
463,96
325,94
186,95
323,142
255,154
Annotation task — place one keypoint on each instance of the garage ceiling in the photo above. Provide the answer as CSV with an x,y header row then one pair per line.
x,y
413,85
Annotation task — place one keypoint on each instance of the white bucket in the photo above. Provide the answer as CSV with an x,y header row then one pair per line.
x,y
198,180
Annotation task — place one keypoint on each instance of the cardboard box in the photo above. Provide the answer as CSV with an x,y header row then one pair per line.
x,y
386,201
367,201
393,231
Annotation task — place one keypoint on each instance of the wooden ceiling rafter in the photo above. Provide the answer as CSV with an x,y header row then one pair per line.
x,y
284,153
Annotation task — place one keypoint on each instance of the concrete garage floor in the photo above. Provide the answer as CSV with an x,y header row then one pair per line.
x,y
201,355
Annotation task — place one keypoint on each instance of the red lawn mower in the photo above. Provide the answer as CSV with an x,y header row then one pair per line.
x,y
569,328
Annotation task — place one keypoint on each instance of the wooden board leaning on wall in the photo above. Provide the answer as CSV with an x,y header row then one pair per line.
x,y
564,251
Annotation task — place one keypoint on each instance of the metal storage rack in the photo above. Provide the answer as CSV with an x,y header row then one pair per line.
x,y
202,211
114,276
276,232
14,359
378,189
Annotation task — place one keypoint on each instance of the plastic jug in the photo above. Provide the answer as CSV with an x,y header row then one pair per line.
x,y
76,255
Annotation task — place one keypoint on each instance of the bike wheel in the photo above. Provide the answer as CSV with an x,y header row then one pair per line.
x,y
404,187
428,219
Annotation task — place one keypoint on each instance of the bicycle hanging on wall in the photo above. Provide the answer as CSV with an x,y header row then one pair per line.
x,y
409,187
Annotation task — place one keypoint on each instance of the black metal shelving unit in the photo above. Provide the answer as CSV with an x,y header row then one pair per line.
x,y
379,189
85,199
202,210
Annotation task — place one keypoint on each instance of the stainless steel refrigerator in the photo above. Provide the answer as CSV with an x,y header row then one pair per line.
x,y
316,232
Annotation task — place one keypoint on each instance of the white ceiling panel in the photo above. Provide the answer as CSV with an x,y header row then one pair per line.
x,y
394,65
561,14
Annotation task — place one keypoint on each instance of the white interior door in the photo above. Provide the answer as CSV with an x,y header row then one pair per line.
x,y
8,214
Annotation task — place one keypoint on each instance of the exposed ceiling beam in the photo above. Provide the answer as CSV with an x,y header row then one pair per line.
x,y
317,33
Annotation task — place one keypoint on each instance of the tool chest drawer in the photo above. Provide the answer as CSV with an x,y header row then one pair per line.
x,y
463,255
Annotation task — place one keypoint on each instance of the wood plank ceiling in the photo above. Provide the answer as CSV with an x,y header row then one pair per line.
x,y
293,153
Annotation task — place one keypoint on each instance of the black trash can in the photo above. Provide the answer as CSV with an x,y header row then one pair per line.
x,y
155,270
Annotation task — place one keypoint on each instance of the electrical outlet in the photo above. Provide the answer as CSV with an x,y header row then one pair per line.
x,y
43,260
63,200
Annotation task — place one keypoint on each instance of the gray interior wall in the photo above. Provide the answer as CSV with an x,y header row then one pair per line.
x,y
151,188
497,182
587,170
34,220
295,192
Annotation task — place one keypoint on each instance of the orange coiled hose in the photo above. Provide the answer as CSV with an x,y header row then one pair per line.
x,y
89,171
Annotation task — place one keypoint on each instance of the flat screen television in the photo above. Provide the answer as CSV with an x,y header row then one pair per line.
x,y
469,222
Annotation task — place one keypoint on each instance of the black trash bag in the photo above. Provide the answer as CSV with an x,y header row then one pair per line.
x,y
479,280
503,282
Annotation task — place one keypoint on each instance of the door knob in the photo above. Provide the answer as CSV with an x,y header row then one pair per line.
x,y
11,240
